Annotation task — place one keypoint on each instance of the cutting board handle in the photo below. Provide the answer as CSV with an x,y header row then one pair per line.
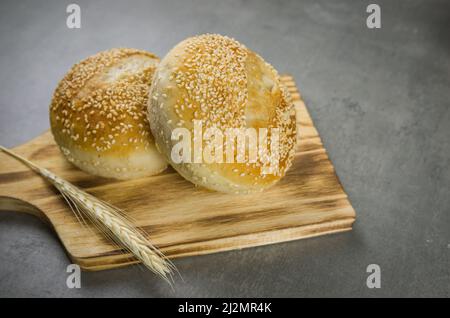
x,y
9,204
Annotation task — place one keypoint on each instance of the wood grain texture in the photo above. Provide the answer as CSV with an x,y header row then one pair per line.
x,y
183,219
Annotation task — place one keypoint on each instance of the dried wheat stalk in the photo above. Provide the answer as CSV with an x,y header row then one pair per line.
x,y
110,220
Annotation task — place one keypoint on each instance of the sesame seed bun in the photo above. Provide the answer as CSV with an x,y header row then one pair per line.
x,y
98,115
219,81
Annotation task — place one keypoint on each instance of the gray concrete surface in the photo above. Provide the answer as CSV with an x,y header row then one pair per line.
x,y
380,99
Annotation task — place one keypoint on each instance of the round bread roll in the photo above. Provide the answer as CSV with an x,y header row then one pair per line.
x,y
98,115
218,81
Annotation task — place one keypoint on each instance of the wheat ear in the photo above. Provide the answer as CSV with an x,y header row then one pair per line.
x,y
110,220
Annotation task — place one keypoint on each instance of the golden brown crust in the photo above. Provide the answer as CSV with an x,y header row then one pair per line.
x,y
88,112
100,107
219,81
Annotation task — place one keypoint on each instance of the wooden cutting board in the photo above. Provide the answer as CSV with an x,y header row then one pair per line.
x,y
180,218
